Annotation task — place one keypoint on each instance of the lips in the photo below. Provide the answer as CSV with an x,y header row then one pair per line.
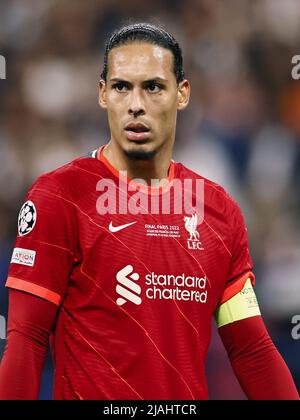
x,y
137,131
137,127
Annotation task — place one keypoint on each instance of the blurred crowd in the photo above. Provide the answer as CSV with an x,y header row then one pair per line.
x,y
241,129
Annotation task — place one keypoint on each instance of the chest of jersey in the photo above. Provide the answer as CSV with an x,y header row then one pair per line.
x,y
145,260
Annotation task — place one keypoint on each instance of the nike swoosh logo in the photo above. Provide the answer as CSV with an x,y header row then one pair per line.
x,y
117,228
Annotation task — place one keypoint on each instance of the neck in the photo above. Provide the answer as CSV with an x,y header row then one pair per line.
x,y
157,167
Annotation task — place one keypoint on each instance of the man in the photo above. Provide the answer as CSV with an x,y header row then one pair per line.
x,y
123,277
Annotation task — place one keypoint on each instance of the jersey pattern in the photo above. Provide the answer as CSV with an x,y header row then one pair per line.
x,y
136,289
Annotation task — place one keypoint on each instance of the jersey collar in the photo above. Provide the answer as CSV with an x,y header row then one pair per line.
x,y
144,188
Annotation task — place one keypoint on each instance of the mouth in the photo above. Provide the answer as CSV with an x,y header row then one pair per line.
x,y
137,131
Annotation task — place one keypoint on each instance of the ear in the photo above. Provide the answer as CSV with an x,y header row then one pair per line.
x,y
183,94
102,94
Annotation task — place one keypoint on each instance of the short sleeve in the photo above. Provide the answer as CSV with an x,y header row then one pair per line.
x,y
241,265
44,250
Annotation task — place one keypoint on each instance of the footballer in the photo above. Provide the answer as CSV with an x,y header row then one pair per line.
x,y
126,298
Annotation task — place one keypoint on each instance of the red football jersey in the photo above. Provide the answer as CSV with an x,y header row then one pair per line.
x,y
137,275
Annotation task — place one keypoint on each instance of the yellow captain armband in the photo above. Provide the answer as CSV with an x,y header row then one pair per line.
x,y
240,306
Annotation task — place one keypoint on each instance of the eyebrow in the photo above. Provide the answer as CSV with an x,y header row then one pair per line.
x,y
153,79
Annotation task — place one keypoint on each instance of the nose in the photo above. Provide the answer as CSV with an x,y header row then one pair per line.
x,y
136,105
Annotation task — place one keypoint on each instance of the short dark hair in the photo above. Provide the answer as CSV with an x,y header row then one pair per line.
x,y
145,32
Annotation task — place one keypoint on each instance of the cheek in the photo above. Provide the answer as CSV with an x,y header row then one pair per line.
x,y
114,110
165,106
114,120
166,112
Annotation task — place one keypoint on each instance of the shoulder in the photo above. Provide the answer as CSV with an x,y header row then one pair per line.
x,y
65,178
213,192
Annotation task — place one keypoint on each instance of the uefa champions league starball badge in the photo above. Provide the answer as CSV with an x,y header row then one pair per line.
x,y
27,218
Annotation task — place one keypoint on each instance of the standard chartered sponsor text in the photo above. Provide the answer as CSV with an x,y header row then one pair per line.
x,y
180,287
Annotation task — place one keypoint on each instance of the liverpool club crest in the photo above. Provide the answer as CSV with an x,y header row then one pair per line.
x,y
190,224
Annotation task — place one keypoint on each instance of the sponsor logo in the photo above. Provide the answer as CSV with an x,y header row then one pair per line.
x,y
160,287
190,223
181,287
27,218
132,290
118,228
23,257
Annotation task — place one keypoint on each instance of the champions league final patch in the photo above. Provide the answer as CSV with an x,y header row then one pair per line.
x,y
27,218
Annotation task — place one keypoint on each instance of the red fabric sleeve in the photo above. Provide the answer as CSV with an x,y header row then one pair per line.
x,y
30,321
44,251
258,366
241,261
241,264
236,286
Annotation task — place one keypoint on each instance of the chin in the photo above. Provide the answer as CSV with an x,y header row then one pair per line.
x,y
140,151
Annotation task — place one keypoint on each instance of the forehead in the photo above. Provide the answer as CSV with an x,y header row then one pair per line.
x,y
140,60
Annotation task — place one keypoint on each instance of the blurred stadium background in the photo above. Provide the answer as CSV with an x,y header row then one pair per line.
x,y
241,129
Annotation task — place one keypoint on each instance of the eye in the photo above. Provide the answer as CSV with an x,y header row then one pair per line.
x,y
120,87
154,87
